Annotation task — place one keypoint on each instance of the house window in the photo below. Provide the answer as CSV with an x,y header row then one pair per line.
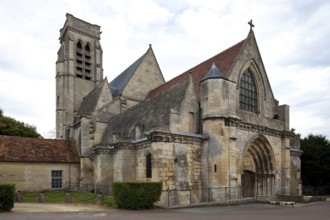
x,y
148,166
248,96
57,179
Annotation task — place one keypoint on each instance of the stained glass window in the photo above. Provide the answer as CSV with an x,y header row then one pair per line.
x,y
248,96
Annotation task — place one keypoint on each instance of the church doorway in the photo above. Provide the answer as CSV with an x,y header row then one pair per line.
x,y
248,184
258,168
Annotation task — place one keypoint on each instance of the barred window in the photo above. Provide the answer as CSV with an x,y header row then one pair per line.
x,y
57,179
248,96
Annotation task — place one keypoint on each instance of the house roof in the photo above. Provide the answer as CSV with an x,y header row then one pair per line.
x,y
223,61
152,113
23,149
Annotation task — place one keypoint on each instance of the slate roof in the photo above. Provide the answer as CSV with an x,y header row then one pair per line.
x,y
223,61
213,73
23,149
118,84
89,102
152,113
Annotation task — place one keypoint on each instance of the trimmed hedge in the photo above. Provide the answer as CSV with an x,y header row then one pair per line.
x,y
136,195
7,197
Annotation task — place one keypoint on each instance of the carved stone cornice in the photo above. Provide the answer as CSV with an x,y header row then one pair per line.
x,y
175,138
296,152
142,144
101,150
260,129
146,142
114,147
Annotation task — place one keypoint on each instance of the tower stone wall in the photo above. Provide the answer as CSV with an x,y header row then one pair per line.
x,y
78,70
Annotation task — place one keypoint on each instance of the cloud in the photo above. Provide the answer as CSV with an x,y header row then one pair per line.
x,y
292,38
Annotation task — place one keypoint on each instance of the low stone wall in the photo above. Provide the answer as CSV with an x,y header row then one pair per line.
x,y
300,199
288,198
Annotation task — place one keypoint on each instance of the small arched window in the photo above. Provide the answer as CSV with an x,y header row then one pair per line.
x,y
148,166
248,95
87,49
79,46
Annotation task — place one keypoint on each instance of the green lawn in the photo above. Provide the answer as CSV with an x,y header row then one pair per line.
x,y
59,197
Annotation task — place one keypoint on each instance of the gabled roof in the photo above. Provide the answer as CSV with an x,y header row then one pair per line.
x,y
89,102
223,61
22,149
152,113
118,84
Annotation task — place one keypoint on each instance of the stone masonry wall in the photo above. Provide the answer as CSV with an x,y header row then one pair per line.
x,y
178,166
37,176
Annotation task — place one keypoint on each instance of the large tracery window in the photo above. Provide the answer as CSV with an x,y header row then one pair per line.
x,y
248,96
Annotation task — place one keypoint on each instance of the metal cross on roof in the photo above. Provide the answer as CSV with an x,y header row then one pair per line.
x,y
251,24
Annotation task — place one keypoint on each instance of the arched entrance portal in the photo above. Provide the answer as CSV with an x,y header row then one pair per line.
x,y
258,168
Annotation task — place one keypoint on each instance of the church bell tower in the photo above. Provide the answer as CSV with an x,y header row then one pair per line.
x,y
78,70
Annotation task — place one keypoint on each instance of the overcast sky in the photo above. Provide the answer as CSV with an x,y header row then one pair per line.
x,y
293,38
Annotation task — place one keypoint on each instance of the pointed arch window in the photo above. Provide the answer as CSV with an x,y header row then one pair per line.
x,y
148,166
248,95
79,46
87,49
83,61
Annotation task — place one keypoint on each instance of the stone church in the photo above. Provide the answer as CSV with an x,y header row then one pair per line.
x,y
214,130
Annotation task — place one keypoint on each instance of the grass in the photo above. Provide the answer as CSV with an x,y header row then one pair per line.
x,y
59,197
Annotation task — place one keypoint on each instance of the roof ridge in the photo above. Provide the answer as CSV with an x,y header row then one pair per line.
x,y
196,70
229,48
121,80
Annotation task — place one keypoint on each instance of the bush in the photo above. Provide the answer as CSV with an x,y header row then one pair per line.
x,y
136,195
7,197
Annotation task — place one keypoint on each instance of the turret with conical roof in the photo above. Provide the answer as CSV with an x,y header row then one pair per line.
x,y
215,90
213,73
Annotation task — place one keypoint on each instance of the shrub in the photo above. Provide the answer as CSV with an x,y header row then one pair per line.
x,y
136,195
7,197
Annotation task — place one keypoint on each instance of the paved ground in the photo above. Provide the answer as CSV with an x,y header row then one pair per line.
x,y
313,211
44,207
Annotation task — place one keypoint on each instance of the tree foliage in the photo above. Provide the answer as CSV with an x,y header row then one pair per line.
x,y
315,161
11,127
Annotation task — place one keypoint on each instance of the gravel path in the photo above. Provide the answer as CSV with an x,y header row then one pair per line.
x,y
46,207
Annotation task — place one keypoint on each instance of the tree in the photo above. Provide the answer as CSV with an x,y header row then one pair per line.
x,y
11,127
51,134
315,161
